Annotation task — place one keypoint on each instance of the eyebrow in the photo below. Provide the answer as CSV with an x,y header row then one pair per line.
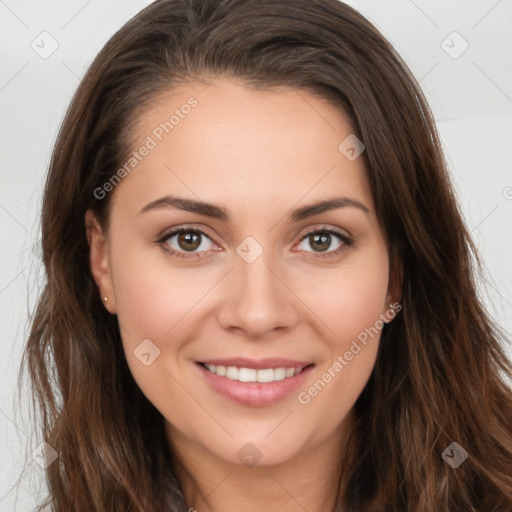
x,y
220,213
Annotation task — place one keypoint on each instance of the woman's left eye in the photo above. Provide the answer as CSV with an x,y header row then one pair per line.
x,y
321,241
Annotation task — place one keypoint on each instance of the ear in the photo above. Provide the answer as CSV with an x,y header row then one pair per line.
x,y
99,261
394,295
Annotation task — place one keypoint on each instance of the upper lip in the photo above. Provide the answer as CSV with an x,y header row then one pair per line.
x,y
257,364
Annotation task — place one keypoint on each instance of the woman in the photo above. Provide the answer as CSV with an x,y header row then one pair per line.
x,y
261,294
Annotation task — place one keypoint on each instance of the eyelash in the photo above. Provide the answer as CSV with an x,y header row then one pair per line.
x,y
346,242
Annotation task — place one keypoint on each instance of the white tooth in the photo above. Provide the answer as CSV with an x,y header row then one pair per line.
x,y
232,372
247,375
265,375
279,373
252,375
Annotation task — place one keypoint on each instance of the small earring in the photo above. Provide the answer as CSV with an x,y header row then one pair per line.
x,y
105,299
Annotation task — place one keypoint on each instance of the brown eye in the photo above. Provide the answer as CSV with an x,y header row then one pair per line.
x,y
320,242
183,241
325,242
189,241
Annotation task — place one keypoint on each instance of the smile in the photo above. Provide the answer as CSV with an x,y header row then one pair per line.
x,y
255,383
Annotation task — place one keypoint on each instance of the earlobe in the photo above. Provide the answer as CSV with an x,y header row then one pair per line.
x,y
99,261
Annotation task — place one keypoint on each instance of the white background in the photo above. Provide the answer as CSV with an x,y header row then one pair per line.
x,y
471,97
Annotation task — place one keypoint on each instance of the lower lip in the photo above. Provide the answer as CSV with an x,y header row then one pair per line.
x,y
256,394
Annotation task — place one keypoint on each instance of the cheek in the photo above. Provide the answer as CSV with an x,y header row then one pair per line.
x,y
152,302
331,395
350,298
152,296
156,301
350,304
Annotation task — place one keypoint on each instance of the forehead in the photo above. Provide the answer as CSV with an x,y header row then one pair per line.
x,y
244,148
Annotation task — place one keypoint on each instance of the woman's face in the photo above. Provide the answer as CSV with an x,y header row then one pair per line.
x,y
288,322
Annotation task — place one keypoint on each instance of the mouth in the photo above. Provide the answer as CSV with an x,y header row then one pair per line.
x,y
255,383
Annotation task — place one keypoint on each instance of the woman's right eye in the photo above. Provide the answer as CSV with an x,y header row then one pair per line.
x,y
186,242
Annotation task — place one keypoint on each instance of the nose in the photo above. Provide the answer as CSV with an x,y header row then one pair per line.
x,y
257,299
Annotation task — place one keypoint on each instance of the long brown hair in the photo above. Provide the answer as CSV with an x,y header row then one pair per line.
x,y
441,368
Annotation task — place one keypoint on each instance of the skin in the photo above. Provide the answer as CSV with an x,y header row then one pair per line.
x,y
259,154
